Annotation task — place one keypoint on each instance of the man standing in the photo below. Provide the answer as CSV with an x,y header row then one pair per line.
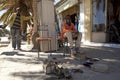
x,y
15,32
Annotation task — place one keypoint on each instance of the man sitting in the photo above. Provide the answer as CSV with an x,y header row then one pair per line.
x,y
69,31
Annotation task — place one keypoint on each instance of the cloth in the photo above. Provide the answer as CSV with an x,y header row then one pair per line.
x,y
67,31
16,23
16,38
16,32
66,28
70,39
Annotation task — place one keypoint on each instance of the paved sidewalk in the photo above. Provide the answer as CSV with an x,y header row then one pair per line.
x,y
24,65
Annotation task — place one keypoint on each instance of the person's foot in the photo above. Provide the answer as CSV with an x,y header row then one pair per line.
x,y
77,50
19,49
73,50
14,48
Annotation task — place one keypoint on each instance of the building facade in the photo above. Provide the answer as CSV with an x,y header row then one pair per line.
x,y
98,20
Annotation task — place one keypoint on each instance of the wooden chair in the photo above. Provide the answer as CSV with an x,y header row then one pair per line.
x,y
43,29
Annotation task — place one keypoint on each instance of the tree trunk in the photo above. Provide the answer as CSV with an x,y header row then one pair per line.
x,y
35,19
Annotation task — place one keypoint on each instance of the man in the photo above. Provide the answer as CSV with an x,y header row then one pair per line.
x,y
15,31
69,31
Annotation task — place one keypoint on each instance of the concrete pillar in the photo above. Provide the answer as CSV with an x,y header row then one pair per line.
x,y
87,16
81,27
46,17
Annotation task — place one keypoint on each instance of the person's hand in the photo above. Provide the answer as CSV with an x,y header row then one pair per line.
x,y
75,33
59,38
4,26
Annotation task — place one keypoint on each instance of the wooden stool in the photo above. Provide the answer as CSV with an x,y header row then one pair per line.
x,y
39,39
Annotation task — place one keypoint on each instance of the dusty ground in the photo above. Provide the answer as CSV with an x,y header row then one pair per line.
x,y
24,65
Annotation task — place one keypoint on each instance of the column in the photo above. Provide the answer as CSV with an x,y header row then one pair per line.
x,y
87,8
81,27
46,17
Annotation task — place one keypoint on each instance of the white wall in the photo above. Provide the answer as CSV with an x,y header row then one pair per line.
x,y
81,27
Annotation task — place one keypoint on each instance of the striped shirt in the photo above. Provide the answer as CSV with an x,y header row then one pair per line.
x,y
16,23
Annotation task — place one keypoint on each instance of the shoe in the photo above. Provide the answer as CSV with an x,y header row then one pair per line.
x,y
77,50
88,64
73,51
14,48
19,49
77,70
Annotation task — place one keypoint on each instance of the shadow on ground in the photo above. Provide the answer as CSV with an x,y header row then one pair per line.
x,y
3,45
102,52
12,53
26,60
33,76
109,55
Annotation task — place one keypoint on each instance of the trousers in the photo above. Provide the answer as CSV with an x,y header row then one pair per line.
x,y
70,36
16,38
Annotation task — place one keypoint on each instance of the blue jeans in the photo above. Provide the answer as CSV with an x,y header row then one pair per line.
x,y
16,38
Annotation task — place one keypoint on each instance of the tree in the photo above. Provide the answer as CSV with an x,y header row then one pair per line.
x,y
26,6
10,7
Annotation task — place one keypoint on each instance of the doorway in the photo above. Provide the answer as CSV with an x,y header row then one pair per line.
x,y
74,20
113,21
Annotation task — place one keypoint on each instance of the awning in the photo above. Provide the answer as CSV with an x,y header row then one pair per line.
x,y
67,4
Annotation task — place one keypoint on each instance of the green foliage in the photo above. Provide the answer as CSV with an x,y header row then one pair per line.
x,y
4,32
11,6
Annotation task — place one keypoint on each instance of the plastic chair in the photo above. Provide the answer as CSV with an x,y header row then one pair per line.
x,y
42,31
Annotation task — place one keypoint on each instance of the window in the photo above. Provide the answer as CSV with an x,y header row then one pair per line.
x,y
98,15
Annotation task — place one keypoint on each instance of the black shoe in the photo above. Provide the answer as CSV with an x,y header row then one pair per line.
x,y
19,49
14,48
88,64
77,50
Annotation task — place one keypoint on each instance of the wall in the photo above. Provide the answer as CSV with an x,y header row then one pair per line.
x,y
98,37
